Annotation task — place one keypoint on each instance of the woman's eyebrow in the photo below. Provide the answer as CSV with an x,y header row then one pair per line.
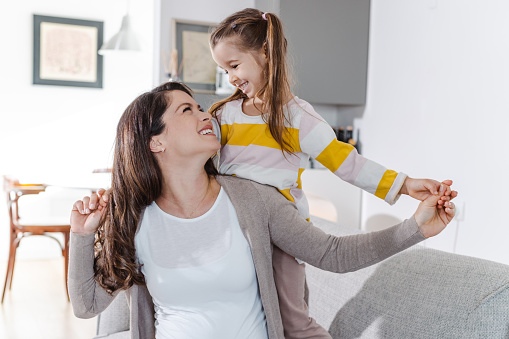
x,y
186,104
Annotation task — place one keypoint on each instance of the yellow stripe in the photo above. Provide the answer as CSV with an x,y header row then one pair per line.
x,y
385,184
225,131
287,194
256,134
334,155
299,182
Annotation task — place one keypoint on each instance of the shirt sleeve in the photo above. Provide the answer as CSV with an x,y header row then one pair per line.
x,y
217,129
297,237
317,139
88,298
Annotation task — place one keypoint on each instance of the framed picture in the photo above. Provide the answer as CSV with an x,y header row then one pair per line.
x,y
196,67
65,52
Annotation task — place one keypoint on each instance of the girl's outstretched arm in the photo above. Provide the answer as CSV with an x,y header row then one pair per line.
x,y
421,189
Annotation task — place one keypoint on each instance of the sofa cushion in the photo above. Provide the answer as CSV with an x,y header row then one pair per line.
x,y
419,293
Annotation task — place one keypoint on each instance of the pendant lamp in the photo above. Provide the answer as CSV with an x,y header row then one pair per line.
x,y
124,40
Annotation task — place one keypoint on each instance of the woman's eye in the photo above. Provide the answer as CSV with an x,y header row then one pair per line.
x,y
235,66
187,109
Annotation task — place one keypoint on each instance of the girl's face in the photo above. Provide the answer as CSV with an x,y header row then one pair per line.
x,y
245,68
188,129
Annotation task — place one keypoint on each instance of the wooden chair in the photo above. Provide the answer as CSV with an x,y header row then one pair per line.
x,y
19,229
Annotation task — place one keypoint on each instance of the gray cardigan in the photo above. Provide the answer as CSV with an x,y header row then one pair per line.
x,y
266,218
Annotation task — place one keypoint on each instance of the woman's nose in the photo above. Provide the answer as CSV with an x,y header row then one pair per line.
x,y
206,116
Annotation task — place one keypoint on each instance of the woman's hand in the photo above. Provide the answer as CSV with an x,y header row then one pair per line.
x,y
87,213
433,218
421,189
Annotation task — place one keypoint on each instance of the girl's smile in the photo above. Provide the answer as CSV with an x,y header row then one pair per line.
x,y
245,69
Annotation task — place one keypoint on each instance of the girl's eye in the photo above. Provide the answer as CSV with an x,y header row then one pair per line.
x,y
235,66
201,110
187,109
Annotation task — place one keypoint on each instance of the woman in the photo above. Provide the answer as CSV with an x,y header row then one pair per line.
x,y
193,249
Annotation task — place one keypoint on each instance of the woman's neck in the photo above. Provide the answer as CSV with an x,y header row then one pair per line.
x,y
186,193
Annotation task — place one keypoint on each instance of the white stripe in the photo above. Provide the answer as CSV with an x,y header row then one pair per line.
x,y
232,115
281,179
394,194
216,128
317,139
372,173
303,206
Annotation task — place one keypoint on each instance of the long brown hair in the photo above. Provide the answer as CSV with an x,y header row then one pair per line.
x,y
136,183
251,32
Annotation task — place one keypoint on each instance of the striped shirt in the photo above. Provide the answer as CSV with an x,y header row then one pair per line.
x,y
249,151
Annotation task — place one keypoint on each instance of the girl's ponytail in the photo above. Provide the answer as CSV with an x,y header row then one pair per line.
x,y
277,89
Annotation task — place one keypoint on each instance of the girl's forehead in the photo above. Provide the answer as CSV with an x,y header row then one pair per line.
x,y
230,44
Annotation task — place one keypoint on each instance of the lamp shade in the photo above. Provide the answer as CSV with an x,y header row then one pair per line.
x,y
124,40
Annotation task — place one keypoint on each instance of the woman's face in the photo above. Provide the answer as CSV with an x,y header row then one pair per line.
x,y
188,129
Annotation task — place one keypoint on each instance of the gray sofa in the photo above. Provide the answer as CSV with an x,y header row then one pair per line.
x,y
419,293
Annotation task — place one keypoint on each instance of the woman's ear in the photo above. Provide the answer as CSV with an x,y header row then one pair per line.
x,y
155,145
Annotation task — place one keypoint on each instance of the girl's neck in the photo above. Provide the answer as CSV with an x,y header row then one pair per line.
x,y
253,106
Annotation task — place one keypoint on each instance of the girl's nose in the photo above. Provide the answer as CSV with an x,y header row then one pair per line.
x,y
232,78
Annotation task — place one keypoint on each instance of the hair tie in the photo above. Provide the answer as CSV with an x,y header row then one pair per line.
x,y
264,17
234,25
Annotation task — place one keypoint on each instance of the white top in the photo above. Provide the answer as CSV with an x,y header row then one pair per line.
x,y
200,274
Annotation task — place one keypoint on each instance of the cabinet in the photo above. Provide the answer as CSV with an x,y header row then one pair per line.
x,y
345,197
328,49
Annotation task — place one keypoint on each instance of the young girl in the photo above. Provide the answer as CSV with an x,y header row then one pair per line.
x,y
268,134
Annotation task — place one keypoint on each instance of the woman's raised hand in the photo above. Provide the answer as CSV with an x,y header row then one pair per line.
x,y
87,213
433,218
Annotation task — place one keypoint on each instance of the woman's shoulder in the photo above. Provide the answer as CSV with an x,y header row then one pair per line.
x,y
246,189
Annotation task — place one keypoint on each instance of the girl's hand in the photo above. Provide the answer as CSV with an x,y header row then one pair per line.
x,y
421,189
87,213
431,217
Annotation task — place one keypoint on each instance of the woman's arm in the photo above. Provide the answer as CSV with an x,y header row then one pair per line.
x,y
88,298
299,238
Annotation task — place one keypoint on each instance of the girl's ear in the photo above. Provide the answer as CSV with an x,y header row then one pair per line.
x,y
155,145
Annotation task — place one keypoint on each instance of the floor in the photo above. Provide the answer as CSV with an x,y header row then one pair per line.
x,y
37,306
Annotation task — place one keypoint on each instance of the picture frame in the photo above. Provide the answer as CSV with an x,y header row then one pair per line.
x,y
66,52
196,67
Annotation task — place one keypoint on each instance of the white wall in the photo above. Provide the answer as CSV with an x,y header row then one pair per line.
x,y
61,128
438,108
63,132
203,11
66,132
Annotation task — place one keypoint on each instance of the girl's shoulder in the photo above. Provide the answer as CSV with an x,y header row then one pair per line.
x,y
233,105
302,113
297,105
230,109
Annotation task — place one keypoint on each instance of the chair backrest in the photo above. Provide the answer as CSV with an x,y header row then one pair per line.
x,y
14,190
